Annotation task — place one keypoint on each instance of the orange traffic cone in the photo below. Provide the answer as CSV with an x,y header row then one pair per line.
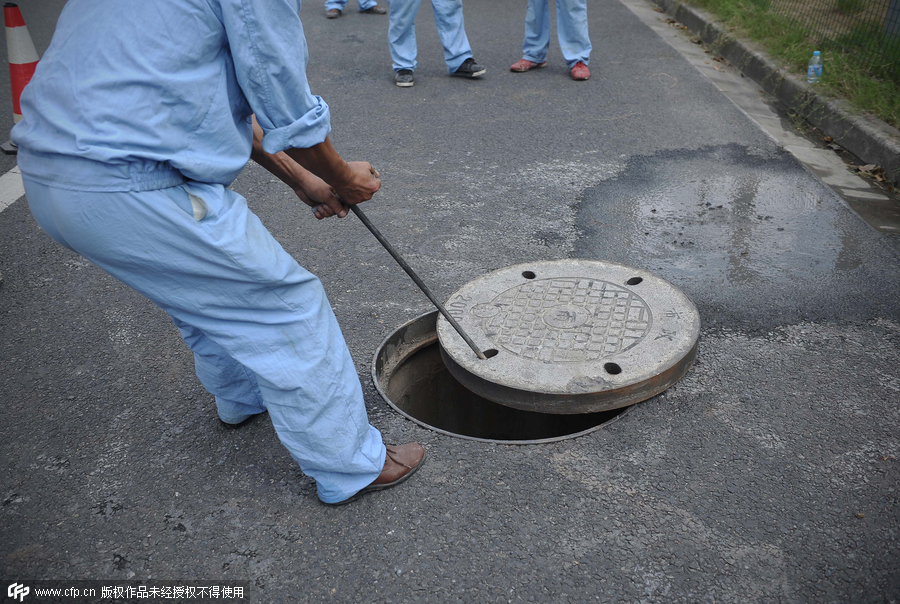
x,y
23,58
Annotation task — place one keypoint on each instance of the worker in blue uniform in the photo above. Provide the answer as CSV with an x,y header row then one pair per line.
x,y
138,118
571,30
448,16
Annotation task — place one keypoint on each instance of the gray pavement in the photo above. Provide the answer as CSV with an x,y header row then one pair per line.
x,y
769,474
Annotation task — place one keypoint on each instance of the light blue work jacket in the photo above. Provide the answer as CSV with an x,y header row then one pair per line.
x,y
141,95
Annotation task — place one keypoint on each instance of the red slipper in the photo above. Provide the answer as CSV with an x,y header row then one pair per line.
x,y
580,71
526,65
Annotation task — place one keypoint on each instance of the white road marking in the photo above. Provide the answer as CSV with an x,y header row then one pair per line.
x,y
11,188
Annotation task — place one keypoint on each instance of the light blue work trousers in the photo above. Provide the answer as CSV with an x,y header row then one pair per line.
x,y
448,15
571,29
340,4
260,326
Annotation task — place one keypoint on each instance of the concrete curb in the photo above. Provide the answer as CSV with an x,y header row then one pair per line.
x,y
870,139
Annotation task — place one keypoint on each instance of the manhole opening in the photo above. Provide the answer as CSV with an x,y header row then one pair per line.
x,y
528,275
612,368
634,280
490,352
413,379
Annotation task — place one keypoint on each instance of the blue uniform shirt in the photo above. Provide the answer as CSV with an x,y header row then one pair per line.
x,y
145,95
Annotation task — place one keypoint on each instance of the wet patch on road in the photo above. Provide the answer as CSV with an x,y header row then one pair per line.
x,y
750,237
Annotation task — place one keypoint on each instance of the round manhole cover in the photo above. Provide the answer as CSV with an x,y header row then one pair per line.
x,y
570,336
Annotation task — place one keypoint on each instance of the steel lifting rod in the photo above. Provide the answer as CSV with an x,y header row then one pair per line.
x,y
409,271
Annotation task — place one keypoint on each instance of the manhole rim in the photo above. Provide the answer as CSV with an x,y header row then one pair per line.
x,y
431,316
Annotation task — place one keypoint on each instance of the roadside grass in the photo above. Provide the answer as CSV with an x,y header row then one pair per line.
x,y
868,88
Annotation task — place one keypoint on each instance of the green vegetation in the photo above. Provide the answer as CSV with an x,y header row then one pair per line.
x,y
872,87
850,6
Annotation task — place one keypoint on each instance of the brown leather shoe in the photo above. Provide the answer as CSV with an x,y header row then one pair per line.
x,y
400,462
375,10
333,13
526,65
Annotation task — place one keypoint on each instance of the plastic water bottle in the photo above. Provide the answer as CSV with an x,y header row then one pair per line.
x,y
814,70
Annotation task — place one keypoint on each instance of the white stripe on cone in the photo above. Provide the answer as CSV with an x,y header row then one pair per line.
x,y
19,46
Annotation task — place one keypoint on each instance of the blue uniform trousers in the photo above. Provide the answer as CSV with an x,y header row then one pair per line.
x,y
260,326
571,29
448,15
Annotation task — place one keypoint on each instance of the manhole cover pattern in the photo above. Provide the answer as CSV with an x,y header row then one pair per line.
x,y
565,320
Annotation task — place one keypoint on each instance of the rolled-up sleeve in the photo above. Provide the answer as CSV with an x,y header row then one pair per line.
x,y
270,57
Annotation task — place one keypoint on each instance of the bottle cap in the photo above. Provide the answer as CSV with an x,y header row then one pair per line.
x,y
816,53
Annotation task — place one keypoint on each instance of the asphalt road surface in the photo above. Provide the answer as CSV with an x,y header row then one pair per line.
x,y
768,474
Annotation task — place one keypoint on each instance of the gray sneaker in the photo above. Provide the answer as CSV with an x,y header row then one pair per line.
x,y
469,69
403,78
332,13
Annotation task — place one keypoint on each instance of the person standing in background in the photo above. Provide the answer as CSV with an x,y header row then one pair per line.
x,y
571,29
448,16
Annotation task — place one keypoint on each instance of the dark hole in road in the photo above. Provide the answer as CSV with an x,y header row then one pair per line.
x,y
612,368
411,376
634,280
528,275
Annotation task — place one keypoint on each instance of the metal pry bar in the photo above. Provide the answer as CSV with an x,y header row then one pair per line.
x,y
409,271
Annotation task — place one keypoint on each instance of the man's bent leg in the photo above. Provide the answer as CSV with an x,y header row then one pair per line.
x,y
225,275
235,387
